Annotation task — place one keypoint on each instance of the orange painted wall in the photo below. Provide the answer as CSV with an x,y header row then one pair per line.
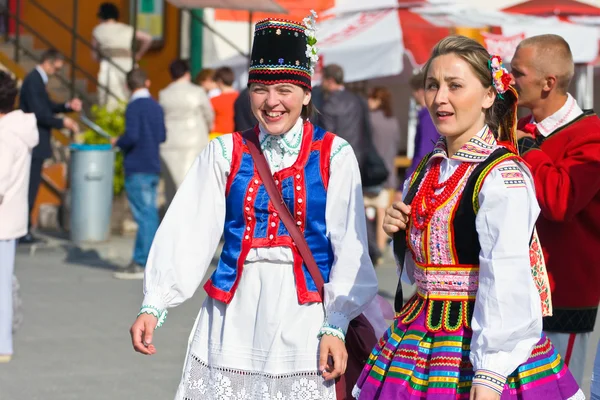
x,y
297,10
155,62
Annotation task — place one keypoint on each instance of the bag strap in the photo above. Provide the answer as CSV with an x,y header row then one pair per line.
x,y
284,213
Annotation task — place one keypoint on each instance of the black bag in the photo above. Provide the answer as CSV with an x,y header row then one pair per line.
x,y
373,171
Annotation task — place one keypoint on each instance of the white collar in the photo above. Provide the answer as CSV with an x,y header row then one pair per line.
x,y
290,142
43,74
567,113
140,94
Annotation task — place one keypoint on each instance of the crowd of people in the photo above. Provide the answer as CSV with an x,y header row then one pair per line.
x,y
496,223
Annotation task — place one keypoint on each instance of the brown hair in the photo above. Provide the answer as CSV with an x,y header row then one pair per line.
x,y
417,81
204,75
385,97
225,75
498,117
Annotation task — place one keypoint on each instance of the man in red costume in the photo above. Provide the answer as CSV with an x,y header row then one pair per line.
x,y
561,144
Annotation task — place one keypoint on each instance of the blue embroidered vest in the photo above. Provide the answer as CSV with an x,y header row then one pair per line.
x,y
251,221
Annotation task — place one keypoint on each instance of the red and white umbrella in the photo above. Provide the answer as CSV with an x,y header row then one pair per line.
x,y
371,43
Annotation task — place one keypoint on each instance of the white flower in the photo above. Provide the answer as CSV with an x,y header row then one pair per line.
x,y
305,389
222,387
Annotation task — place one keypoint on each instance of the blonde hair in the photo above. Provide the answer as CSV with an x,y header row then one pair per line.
x,y
474,54
552,57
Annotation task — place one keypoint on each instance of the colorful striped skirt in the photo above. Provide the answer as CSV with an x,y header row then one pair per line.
x,y
411,363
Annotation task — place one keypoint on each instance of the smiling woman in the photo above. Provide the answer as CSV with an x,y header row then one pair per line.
x,y
266,330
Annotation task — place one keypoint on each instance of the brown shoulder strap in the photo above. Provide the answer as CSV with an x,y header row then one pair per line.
x,y
284,213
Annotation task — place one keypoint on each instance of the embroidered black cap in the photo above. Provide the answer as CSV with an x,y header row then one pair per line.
x,y
280,54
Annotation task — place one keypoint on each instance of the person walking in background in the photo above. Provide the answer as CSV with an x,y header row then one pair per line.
x,y
426,135
111,41
144,132
18,136
206,79
387,140
35,99
223,103
595,389
343,111
243,116
188,118
561,144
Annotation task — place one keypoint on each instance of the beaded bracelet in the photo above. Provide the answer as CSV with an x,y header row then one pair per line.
x,y
161,315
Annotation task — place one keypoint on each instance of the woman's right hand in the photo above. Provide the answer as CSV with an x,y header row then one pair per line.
x,y
141,334
396,218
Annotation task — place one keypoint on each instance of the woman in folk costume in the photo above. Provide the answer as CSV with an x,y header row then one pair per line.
x,y
263,332
473,330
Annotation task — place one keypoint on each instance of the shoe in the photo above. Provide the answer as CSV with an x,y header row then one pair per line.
x,y
133,271
4,358
29,239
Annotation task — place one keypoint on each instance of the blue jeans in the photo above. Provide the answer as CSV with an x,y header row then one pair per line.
x,y
141,192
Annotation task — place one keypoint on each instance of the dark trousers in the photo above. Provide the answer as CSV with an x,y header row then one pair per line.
x,y
35,179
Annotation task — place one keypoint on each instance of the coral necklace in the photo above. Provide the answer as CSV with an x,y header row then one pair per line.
x,y
426,201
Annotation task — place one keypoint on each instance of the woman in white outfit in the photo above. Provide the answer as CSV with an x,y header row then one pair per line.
x,y
18,136
263,332
188,117
112,41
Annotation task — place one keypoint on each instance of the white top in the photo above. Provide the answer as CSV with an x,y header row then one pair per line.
x,y
567,113
18,136
507,319
177,263
113,35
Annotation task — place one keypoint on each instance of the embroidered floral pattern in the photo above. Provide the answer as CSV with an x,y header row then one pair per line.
x,y
204,382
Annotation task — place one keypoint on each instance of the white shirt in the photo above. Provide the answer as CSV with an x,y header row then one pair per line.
x,y
42,73
567,113
140,94
190,232
507,319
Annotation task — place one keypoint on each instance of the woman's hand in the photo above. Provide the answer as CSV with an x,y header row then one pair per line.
x,y
141,334
334,348
396,218
483,393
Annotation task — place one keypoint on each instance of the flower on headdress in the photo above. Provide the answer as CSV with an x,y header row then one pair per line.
x,y
281,61
501,78
310,28
278,32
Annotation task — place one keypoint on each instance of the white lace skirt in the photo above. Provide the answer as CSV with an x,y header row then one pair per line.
x,y
262,346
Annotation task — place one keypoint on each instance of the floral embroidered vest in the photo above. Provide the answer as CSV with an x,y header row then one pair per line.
x,y
251,220
446,253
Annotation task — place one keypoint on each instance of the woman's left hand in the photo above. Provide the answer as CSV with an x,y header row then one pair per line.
x,y
483,393
335,348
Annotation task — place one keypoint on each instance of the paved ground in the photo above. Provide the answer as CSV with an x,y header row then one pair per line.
x,y
74,343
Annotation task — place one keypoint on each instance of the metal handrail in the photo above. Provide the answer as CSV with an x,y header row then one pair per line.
x,y
218,34
74,32
47,43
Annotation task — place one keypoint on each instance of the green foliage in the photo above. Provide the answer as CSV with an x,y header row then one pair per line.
x,y
113,123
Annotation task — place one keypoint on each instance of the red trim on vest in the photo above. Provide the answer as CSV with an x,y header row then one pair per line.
x,y
236,160
326,157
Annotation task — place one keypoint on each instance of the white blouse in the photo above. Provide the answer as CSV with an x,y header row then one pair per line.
x,y
507,319
190,232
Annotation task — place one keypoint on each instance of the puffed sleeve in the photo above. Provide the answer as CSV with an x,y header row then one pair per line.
x,y
507,319
189,234
353,283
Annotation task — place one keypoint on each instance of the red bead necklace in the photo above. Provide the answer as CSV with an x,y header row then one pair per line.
x,y
426,202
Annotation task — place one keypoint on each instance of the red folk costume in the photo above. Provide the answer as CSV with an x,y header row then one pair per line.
x,y
564,159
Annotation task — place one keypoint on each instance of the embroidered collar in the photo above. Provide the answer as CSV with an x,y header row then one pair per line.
x,y
567,113
288,143
477,149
